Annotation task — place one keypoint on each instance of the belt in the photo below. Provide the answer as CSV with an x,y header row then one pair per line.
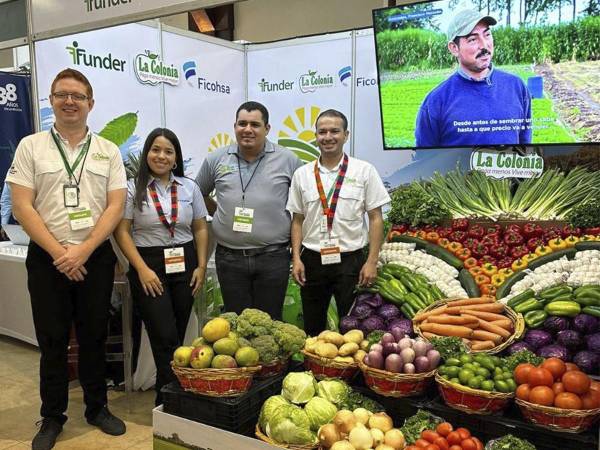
x,y
254,251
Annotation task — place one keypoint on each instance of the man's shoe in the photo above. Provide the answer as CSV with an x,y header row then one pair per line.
x,y
46,437
108,423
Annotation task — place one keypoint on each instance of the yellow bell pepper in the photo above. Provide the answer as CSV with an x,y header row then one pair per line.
x,y
518,264
498,279
587,237
571,240
489,269
507,272
542,250
557,244
530,257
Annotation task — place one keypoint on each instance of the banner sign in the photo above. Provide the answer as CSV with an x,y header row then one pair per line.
x,y
60,17
15,117
507,163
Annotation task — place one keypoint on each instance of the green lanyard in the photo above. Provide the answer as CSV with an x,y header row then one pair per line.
x,y
82,153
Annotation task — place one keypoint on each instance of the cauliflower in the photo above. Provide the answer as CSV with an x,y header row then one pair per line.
x,y
254,322
230,317
267,348
289,337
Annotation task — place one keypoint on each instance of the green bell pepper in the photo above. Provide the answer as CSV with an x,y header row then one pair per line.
x,y
520,298
590,293
587,301
560,298
563,308
528,305
535,319
556,291
592,310
587,288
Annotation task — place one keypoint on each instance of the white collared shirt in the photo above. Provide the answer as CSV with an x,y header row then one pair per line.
x,y
362,191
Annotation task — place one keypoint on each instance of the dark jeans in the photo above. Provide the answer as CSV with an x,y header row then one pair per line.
x,y
165,316
258,281
323,281
56,303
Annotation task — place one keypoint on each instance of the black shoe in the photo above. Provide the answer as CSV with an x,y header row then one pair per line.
x,y
108,423
46,437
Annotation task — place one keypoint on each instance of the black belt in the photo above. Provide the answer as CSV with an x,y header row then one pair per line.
x,y
253,251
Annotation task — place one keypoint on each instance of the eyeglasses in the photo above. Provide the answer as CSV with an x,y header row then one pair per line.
x,y
75,96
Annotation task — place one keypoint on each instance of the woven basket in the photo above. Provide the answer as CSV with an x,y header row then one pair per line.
x,y
391,384
273,368
215,382
328,368
472,401
558,419
517,320
263,437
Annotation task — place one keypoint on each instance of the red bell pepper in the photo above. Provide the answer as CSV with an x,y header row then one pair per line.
x,y
552,233
531,230
401,227
534,243
470,243
500,250
488,259
480,250
569,230
513,238
505,262
476,231
519,251
428,227
444,232
514,227
595,231
490,239
458,236
460,224
494,228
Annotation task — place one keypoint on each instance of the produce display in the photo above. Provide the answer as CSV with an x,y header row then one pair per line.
x,y
444,436
342,348
371,312
484,372
398,353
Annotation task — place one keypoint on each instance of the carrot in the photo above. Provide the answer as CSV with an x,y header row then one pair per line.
x,y
482,345
471,301
485,315
487,326
450,320
434,312
487,336
472,325
447,330
487,307
430,335
504,323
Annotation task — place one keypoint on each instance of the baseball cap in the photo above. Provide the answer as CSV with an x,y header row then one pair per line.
x,y
464,21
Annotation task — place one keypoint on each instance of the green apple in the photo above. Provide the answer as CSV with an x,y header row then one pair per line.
x,y
182,356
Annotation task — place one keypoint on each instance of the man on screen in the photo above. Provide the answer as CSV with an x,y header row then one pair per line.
x,y
478,104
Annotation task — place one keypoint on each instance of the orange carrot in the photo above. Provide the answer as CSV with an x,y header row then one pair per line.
x,y
448,330
487,336
434,312
451,320
487,307
504,323
482,345
472,301
430,335
485,315
487,326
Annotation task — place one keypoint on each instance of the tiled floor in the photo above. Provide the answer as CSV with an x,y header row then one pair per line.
x,y
20,406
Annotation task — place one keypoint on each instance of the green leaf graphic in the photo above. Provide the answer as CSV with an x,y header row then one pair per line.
x,y
301,145
120,129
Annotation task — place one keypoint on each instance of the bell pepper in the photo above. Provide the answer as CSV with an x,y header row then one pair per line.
x,y
560,298
552,233
518,264
421,234
490,240
587,237
476,231
411,233
470,262
470,243
493,229
594,231
571,240
454,246
570,230
557,244
444,232
488,259
513,227
592,310
499,250
432,236
563,308
520,298
458,236
489,269
530,257
588,290
488,289
535,319
482,279
400,227
513,238
477,270
392,234
519,251
542,250
463,254
531,230
498,279
534,242
479,250
554,291
443,242
505,263
506,271
460,224
587,301
528,305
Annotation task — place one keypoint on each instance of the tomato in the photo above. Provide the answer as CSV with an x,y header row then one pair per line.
x,y
429,435
566,400
539,376
443,429
558,387
411,447
595,386
468,444
576,382
556,366
422,443
464,433
522,373
571,366
432,447
454,447
523,392
591,400
442,443
454,438
542,395
478,443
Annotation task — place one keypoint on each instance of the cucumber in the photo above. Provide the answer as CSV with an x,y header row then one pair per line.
x,y
568,252
420,243
587,245
444,255
468,283
504,289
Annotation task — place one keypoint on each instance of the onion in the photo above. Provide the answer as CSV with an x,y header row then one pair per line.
x,y
376,348
434,358
422,364
409,368
387,338
375,359
420,348
405,342
408,355
393,363
389,347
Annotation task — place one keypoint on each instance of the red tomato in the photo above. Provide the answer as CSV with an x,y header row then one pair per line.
x,y
411,447
463,433
567,400
454,438
540,377
523,391
521,373
556,366
591,400
432,447
468,444
454,447
421,443
429,435
571,366
478,443
576,382
558,388
443,429
442,443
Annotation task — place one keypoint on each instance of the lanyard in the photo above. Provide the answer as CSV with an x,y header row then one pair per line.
x,y
159,210
251,176
82,154
329,210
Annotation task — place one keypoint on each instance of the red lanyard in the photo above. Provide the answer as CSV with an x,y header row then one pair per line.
x,y
159,210
329,210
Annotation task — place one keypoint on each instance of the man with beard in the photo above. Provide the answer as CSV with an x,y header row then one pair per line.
x,y
478,104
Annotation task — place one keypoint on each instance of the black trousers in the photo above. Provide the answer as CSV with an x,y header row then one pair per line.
x,y
165,316
323,281
56,303
258,281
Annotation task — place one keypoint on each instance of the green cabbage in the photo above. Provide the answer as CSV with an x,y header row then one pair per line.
x,y
289,424
268,408
319,412
334,390
299,387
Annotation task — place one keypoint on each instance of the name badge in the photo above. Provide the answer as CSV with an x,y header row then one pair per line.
x,y
330,251
323,224
174,260
70,195
242,219
80,217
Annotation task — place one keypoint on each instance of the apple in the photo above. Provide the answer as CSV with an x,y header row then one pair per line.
x,y
182,356
198,342
202,357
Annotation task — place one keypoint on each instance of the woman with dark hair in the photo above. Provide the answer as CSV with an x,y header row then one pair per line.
x,y
164,236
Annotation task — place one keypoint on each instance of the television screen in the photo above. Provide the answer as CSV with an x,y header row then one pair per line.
x,y
460,73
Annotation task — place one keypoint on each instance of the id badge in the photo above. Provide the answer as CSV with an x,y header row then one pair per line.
x,y
242,219
80,217
71,195
323,224
330,251
174,260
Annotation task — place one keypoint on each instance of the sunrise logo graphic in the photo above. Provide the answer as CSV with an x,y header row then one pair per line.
x,y
298,133
219,140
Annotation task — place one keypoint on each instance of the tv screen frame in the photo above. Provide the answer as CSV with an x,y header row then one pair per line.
x,y
402,142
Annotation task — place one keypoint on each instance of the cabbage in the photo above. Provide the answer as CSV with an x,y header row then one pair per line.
x,y
554,351
569,338
371,324
348,323
319,412
554,324
289,424
333,390
388,312
585,324
587,361
373,300
593,342
268,407
361,311
538,338
299,387
519,346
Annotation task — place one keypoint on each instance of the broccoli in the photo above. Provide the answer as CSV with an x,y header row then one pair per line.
x,y
243,342
231,317
253,322
267,348
289,337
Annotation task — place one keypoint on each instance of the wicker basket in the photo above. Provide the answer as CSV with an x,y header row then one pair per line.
x,y
328,368
263,437
472,401
558,419
273,368
391,384
215,382
517,320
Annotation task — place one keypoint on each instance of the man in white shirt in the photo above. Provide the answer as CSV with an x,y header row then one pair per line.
x,y
329,199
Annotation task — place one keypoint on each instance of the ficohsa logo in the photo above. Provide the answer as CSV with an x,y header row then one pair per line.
x,y
189,72
298,133
204,84
345,73
8,96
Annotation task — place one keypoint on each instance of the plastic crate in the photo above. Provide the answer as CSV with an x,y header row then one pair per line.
x,y
237,414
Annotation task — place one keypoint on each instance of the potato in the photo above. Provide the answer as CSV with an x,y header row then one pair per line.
x,y
334,338
364,345
344,359
326,349
355,336
322,334
348,349
309,344
359,355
